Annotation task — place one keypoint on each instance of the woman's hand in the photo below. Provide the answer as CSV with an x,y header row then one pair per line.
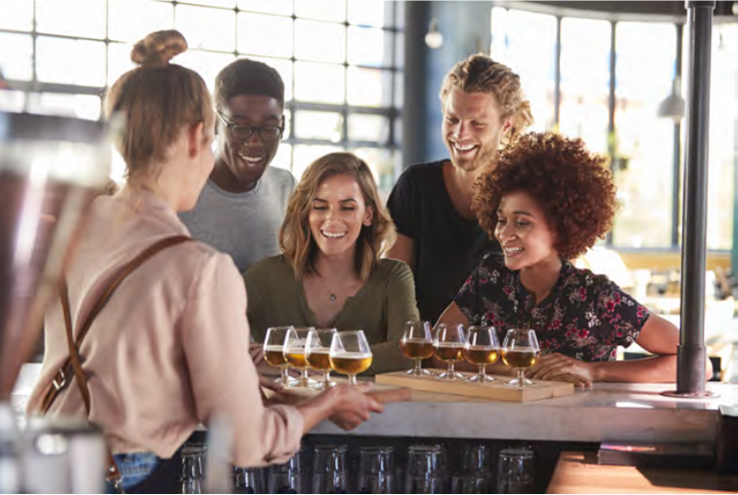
x,y
352,406
257,353
562,368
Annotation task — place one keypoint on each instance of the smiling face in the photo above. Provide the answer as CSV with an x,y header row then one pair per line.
x,y
523,232
243,161
337,215
472,128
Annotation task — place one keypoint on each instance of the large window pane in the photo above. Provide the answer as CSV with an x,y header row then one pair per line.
x,y
324,10
319,125
16,15
131,20
643,142
16,56
207,64
320,41
368,13
305,154
373,128
81,106
264,35
216,3
84,18
526,42
12,101
723,136
281,7
369,87
585,80
368,46
119,61
382,163
207,28
71,61
283,158
322,83
284,67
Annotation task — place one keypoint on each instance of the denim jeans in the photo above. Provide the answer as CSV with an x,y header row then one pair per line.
x,y
135,468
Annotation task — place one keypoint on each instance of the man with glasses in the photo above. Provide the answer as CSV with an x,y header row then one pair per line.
x,y
241,208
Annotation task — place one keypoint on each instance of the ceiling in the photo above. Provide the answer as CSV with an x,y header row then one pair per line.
x,y
661,8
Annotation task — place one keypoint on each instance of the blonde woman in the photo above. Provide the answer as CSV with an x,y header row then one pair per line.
x,y
330,273
170,349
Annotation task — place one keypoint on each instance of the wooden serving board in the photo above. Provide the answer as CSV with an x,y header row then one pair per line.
x,y
498,390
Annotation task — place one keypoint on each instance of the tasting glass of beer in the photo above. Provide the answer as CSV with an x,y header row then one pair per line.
x,y
481,348
417,344
448,346
520,351
274,353
294,353
317,354
350,354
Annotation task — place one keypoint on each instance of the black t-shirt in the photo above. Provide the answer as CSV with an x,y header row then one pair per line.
x,y
448,247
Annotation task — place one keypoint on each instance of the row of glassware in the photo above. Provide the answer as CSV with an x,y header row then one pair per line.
x,y
331,471
348,352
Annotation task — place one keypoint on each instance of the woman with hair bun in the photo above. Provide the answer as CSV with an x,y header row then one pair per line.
x,y
170,348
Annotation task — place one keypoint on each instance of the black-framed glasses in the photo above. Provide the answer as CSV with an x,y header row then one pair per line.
x,y
267,133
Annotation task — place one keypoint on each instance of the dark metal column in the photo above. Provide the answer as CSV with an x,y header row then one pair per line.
x,y
691,351
414,108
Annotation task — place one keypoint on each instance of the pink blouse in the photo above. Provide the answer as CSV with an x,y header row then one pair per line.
x,y
170,350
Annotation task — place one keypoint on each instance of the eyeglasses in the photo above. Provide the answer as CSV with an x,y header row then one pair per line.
x,y
267,133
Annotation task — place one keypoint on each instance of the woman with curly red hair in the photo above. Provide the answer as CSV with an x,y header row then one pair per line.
x,y
547,199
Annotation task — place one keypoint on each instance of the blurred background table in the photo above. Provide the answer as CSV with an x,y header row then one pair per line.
x,y
578,472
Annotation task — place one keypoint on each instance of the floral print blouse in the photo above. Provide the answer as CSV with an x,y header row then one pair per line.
x,y
586,316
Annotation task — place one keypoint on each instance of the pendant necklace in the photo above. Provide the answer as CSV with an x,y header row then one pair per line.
x,y
331,294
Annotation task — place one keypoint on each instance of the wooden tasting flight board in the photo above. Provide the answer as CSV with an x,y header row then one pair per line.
x,y
498,390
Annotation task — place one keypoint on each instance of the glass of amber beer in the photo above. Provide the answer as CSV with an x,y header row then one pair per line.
x,y
274,353
481,348
417,344
448,346
317,354
294,353
350,354
520,351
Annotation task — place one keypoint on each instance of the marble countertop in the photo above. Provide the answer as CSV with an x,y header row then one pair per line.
x,y
607,412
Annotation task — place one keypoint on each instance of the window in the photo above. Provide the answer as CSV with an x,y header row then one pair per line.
x,y
526,42
340,61
643,165
641,144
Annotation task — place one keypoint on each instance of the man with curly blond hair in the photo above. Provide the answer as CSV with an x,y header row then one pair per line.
x,y
547,200
438,235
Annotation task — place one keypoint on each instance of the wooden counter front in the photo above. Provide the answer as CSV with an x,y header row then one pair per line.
x,y
578,472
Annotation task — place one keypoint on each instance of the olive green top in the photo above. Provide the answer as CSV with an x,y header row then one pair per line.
x,y
381,307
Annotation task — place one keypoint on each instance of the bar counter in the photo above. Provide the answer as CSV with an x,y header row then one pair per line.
x,y
606,412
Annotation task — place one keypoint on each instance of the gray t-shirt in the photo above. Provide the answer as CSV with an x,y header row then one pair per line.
x,y
244,225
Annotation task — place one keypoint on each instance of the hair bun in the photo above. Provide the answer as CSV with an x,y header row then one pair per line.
x,y
158,48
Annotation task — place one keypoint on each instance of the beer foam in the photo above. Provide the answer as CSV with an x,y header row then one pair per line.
x,y
351,355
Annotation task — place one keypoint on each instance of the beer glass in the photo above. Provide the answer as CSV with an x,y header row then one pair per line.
x,y
317,354
294,353
287,477
193,468
330,474
350,354
448,345
376,470
417,344
515,471
520,351
248,480
481,348
426,469
274,353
